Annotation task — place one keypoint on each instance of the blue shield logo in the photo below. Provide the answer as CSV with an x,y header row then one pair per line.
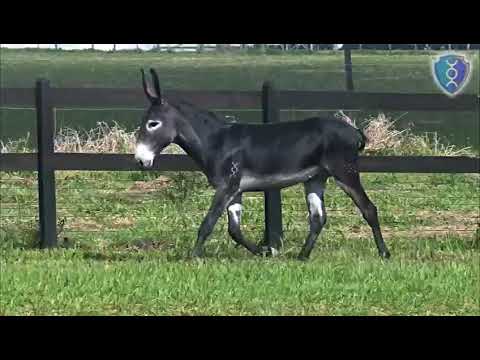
x,y
451,73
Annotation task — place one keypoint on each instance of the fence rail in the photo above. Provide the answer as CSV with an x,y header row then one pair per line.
x,y
305,100
46,161
170,162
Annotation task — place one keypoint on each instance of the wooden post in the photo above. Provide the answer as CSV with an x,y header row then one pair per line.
x,y
348,68
273,199
46,174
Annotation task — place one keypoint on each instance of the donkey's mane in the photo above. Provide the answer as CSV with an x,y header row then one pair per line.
x,y
196,114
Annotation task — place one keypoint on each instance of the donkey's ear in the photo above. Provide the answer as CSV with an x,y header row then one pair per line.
x,y
151,95
156,84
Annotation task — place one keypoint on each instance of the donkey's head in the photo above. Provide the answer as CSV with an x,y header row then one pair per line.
x,y
158,129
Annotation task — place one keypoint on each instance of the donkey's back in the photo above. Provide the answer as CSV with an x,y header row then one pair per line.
x,y
293,146
323,132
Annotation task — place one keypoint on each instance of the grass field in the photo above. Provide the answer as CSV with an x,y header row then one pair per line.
x,y
126,236
374,71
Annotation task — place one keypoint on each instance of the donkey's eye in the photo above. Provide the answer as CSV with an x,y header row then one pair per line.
x,y
153,124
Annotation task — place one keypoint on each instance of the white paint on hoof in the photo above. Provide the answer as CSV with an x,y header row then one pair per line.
x,y
235,212
144,154
153,125
314,204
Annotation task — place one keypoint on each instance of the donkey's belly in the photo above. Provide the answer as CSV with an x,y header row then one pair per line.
x,y
256,182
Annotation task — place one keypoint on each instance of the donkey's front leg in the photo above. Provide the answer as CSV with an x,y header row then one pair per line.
x,y
223,196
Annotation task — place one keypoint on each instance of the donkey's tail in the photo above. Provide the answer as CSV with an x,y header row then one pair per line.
x,y
363,140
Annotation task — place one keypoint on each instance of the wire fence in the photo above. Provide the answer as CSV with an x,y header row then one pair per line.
x,y
117,207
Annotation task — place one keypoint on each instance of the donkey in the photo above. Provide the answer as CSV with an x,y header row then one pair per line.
x,y
254,157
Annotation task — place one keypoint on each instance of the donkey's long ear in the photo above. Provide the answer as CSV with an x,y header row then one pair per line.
x,y
156,84
151,95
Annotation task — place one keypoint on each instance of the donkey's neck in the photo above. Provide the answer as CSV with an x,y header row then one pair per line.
x,y
195,129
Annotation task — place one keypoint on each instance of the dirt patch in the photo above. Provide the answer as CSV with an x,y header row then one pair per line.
x,y
147,245
123,222
90,224
84,224
443,223
12,180
149,186
450,217
417,231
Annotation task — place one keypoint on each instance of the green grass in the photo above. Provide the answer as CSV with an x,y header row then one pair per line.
x,y
374,71
73,282
128,252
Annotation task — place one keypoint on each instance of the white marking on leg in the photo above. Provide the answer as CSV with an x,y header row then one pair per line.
x,y
315,204
235,212
144,154
274,251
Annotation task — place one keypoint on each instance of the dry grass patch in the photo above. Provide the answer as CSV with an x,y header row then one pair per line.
x,y
383,139
142,187
102,139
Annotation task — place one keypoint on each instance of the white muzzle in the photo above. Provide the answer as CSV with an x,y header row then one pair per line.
x,y
144,155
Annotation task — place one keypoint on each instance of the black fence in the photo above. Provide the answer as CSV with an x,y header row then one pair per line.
x,y
47,161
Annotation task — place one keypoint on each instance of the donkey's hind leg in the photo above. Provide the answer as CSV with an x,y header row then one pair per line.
x,y
234,219
347,177
314,190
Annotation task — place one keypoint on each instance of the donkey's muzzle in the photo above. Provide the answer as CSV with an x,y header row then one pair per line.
x,y
144,156
145,164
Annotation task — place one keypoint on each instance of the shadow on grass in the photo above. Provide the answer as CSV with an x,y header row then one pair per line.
x,y
434,248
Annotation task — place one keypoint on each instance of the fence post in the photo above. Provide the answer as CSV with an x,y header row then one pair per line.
x,y
46,174
273,199
348,67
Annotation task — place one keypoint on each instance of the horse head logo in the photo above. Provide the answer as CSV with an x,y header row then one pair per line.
x,y
451,73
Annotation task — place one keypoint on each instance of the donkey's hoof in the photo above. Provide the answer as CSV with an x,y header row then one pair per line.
x,y
198,253
385,255
268,251
302,257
